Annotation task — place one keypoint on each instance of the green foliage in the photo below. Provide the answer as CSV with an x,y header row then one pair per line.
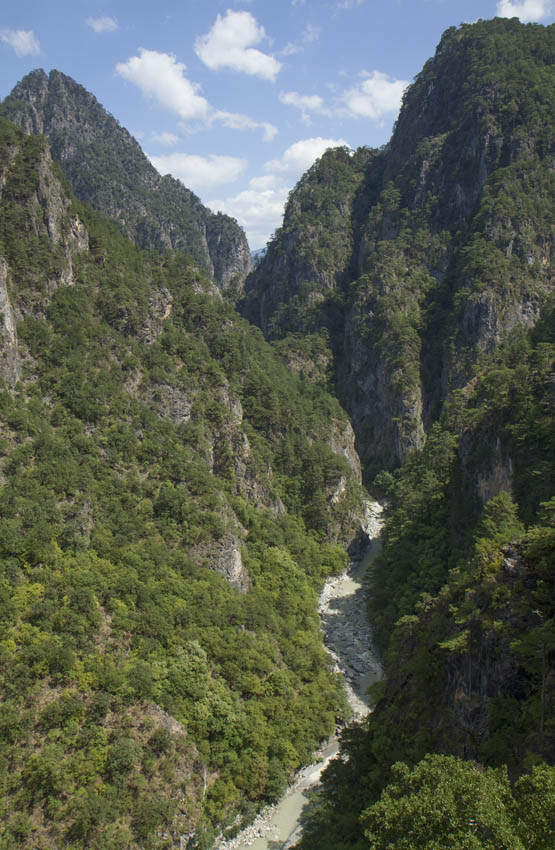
x,y
141,691
463,604
444,802
154,433
303,285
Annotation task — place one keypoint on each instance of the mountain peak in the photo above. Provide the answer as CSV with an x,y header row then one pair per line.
x,y
107,168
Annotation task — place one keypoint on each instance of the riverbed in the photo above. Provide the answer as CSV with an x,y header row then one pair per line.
x,y
348,639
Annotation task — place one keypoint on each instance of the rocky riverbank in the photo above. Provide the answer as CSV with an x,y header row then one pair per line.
x,y
348,634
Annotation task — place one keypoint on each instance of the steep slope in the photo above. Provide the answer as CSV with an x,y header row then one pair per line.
x,y
169,498
420,258
107,168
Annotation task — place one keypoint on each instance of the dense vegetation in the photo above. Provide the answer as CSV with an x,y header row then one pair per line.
x,y
164,511
445,803
464,610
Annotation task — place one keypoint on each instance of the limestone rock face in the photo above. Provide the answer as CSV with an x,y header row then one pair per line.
x,y
107,168
49,221
10,362
342,442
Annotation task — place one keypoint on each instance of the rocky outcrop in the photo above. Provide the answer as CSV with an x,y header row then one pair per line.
x,y
160,305
10,361
224,556
229,255
342,442
28,178
107,168
486,464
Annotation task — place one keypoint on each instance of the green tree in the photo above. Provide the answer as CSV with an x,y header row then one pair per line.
x,y
441,804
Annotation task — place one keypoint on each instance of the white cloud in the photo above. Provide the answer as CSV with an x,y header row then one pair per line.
x,y
236,121
349,4
24,42
526,10
309,35
300,156
376,95
168,139
162,77
305,102
200,172
229,45
264,182
302,101
102,24
259,210
373,96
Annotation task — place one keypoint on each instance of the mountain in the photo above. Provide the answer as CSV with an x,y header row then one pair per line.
x,y
413,262
107,168
171,498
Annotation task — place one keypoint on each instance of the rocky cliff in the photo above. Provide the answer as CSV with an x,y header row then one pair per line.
x,y
107,168
48,236
420,259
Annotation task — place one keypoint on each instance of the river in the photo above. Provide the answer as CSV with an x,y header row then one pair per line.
x,y
348,639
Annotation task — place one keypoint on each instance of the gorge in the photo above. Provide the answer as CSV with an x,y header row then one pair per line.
x,y
186,452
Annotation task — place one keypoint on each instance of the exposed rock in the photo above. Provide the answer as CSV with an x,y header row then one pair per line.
x,y
342,442
232,403
160,306
174,403
254,486
224,556
10,361
486,465
497,477
49,217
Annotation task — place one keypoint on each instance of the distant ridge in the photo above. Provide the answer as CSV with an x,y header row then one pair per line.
x,y
107,168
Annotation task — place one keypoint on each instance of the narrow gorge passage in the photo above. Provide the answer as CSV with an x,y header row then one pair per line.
x,y
348,638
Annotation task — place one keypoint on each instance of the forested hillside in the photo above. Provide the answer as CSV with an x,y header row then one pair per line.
x,y
170,503
463,609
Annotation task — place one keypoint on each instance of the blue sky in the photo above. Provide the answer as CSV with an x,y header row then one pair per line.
x,y
237,98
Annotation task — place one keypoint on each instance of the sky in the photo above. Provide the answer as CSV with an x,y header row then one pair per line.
x,y
237,98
